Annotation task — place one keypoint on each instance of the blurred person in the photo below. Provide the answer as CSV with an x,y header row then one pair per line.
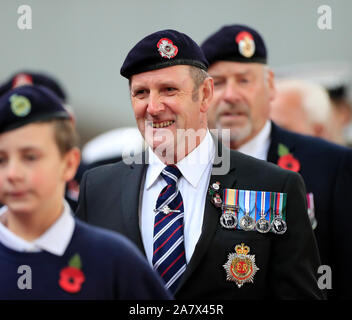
x,y
169,204
26,77
341,120
244,88
68,259
335,77
303,107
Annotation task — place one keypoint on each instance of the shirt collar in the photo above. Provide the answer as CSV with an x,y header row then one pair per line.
x,y
258,146
54,240
192,166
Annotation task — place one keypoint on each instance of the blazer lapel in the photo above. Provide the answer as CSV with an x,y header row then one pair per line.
x,y
277,136
130,195
211,213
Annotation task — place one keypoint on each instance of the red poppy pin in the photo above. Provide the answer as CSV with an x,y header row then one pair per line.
x,y
166,48
71,277
287,160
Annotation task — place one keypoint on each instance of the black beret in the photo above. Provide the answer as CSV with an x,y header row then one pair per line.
x,y
235,43
34,78
27,104
163,49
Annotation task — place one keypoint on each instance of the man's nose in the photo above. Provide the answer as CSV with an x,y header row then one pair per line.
x,y
155,105
231,93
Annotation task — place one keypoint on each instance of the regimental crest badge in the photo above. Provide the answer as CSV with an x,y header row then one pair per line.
x,y
166,48
20,105
240,266
246,44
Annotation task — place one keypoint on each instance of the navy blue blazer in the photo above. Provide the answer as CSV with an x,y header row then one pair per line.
x,y
326,169
109,198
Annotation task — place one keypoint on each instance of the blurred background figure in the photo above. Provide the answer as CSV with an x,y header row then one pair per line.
x,y
302,106
26,77
341,121
336,78
112,146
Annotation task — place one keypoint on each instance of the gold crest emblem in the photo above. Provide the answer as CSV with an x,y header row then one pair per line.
x,y
246,45
240,266
20,105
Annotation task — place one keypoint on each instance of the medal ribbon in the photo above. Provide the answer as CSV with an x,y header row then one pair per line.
x,y
280,204
283,208
263,199
231,197
310,201
246,203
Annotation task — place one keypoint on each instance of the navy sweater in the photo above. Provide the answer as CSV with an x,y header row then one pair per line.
x,y
111,266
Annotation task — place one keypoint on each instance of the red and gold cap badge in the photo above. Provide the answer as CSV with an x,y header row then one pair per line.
x,y
166,48
240,266
22,79
246,44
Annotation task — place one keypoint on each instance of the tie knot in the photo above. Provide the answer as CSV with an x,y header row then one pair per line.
x,y
171,174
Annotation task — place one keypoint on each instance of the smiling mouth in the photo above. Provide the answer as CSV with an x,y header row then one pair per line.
x,y
232,114
163,124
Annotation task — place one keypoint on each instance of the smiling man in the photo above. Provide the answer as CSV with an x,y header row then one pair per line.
x,y
166,105
170,205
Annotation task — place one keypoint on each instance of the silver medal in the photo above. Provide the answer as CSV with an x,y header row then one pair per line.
x,y
228,220
247,222
278,225
263,225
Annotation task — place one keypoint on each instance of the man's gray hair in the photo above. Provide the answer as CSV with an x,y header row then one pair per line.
x,y
315,99
198,75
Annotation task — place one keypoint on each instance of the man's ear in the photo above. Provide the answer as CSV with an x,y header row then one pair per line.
x,y
207,92
271,84
72,160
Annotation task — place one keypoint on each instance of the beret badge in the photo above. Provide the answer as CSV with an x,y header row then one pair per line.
x,y
246,45
166,48
20,105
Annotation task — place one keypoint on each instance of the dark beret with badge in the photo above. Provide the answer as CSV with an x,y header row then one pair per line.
x,y
33,78
27,104
163,49
238,43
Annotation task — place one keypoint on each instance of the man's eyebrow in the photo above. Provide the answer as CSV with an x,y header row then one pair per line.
x,y
236,73
163,83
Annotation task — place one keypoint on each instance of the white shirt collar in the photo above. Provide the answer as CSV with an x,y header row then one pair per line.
x,y
192,166
258,147
54,240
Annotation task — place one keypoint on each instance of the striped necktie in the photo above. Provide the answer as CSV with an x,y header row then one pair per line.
x,y
168,245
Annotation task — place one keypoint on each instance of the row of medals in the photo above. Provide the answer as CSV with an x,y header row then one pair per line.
x,y
229,219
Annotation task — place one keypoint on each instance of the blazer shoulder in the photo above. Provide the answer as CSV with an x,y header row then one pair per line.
x,y
106,172
314,144
246,162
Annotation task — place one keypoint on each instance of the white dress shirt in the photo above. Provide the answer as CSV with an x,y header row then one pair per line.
x,y
54,240
193,185
258,147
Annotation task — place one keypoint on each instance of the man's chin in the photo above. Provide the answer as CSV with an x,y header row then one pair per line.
x,y
238,133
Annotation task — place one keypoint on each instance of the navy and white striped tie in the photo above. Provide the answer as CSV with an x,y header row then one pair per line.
x,y
168,245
